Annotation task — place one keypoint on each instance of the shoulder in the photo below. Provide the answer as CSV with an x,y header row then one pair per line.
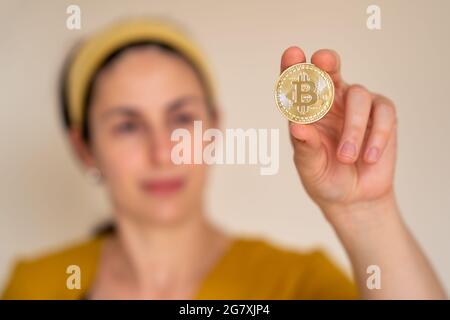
x,y
45,276
291,272
280,256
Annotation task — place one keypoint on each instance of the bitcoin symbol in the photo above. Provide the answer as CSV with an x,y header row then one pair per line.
x,y
305,95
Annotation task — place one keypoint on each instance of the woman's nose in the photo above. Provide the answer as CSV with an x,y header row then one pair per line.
x,y
160,148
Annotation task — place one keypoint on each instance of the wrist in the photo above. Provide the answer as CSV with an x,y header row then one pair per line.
x,y
371,213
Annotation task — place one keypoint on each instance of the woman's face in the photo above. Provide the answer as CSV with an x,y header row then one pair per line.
x,y
137,102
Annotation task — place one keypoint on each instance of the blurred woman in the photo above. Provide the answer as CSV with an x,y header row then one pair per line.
x,y
124,91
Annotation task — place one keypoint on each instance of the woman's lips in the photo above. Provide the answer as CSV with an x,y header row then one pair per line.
x,y
163,186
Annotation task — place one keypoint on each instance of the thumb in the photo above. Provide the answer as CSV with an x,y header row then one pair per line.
x,y
309,153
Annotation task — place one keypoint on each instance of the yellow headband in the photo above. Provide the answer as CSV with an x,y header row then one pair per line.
x,y
93,52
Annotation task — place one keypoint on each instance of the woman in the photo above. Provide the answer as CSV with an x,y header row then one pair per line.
x,y
124,92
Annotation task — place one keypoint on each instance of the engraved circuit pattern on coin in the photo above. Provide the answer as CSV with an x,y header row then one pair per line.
x,y
304,93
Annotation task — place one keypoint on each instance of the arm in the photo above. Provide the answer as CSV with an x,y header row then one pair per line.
x,y
346,163
374,233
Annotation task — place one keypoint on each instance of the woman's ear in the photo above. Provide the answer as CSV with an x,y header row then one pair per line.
x,y
80,148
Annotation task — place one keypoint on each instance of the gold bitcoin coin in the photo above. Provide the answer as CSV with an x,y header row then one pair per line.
x,y
304,93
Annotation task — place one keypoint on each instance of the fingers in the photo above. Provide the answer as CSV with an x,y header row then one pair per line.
x,y
305,138
326,59
361,108
358,103
307,134
291,56
384,119
329,61
309,153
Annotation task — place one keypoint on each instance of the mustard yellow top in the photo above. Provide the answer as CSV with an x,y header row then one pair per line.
x,y
251,268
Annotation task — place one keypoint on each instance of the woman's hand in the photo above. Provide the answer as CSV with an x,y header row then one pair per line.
x,y
347,157
353,185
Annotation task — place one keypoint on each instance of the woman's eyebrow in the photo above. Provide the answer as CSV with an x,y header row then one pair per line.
x,y
124,111
180,102
132,112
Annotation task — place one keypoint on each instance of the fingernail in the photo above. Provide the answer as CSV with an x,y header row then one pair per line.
x,y
372,155
348,149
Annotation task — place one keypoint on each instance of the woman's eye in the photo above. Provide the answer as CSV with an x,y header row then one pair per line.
x,y
126,127
183,119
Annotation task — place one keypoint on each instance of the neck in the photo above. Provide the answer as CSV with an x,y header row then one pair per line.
x,y
159,256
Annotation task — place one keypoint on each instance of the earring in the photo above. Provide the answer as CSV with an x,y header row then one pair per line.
x,y
94,175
